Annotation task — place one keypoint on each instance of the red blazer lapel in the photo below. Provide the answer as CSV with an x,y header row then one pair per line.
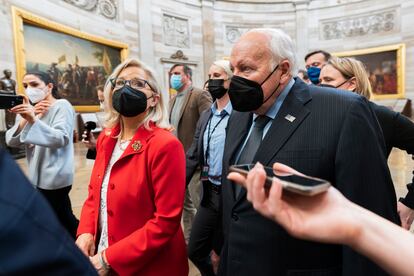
x,y
139,141
108,146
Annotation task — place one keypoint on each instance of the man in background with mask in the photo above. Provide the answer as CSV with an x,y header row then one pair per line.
x,y
185,110
315,60
315,130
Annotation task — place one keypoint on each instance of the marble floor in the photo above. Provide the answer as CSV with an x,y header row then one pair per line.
x,y
401,167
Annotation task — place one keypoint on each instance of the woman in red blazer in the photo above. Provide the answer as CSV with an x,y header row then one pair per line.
x,y
130,222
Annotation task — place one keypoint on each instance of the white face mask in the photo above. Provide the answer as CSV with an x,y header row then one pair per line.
x,y
35,94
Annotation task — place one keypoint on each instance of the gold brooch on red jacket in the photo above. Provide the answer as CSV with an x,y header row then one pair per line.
x,y
137,145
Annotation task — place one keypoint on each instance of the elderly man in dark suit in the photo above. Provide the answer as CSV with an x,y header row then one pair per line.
x,y
319,131
185,110
32,242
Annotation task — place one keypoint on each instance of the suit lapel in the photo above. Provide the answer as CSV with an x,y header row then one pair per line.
x,y
139,141
108,147
172,103
283,126
237,129
205,120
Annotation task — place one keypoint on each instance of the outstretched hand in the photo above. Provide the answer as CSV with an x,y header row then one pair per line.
x,y
326,217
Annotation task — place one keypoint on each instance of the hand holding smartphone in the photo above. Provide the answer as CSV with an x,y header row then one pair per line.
x,y
10,101
304,185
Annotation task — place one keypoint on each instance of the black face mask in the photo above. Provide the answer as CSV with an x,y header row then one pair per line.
x,y
247,95
129,102
216,88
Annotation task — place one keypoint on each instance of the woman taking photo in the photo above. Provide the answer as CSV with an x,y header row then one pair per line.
x,y
46,132
136,192
398,130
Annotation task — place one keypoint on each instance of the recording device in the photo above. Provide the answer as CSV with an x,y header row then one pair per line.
x,y
304,185
8,100
89,126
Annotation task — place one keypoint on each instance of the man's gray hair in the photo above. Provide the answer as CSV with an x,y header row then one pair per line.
x,y
281,46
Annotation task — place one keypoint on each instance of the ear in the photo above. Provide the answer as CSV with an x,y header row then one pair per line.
x,y
50,87
187,78
352,84
285,68
154,100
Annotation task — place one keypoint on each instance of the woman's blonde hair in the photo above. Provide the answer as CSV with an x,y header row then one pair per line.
x,y
225,65
157,114
349,68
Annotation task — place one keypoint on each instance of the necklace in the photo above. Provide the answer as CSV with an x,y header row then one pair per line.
x,y
123,144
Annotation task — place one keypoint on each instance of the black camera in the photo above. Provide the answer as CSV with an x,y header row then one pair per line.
x,y
8,100
89,126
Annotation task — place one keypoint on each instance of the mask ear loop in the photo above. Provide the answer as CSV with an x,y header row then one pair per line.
x,y
205,85
277,66
342,83
277,87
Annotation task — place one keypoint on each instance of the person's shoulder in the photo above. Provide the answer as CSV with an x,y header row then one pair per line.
x,y
162,133
63,103
335,96
205,112
198,91
162,137
383,110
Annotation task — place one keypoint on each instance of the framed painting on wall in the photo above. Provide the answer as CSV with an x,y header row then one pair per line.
x,y
76,61
385,66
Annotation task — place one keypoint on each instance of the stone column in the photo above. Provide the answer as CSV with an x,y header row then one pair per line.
x,y
209,50
302,33
146,42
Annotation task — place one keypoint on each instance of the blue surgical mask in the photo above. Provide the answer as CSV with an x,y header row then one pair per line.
x,y
175,82
313,73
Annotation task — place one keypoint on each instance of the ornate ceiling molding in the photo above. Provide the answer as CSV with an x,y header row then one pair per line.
x,y
179,57
364,24
107,8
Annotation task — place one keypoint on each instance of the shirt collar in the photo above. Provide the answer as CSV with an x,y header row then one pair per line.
x,y
182,93
274,109
228,108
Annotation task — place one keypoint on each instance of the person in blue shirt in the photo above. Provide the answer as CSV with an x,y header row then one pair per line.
x,y
206,152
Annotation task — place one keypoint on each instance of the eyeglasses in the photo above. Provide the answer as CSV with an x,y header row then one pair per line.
x,y
134,83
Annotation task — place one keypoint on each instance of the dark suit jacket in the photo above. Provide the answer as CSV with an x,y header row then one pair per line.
x,y
195,102
335,136
32,242
195,154
398,132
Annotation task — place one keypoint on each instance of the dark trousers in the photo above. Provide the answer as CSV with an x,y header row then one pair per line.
x,y
60,202
205,234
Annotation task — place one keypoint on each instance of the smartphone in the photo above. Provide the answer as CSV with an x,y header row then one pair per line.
x,y
9,101
304,185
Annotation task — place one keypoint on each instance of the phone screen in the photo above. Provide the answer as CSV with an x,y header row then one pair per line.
x,y
293,178
9,101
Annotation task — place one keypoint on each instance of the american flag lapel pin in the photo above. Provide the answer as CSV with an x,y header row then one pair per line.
x,y
290,118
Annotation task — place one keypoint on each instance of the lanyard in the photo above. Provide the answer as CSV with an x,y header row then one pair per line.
x,y
210,134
